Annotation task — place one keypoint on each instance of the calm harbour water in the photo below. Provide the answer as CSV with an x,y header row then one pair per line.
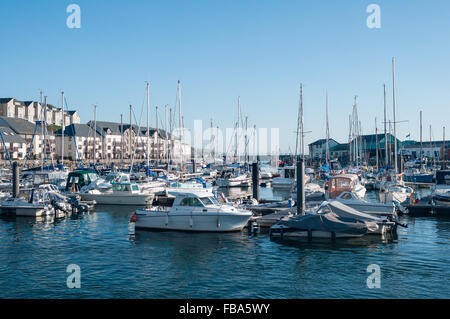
x,y
117,262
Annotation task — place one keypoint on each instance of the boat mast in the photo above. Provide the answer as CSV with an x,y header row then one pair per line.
x,y
421,156
327,154
350,138
121,138
237,129
148,132
212,141
444,157
62,129
297,132
129,138
302,131
156,137
395,122
45,132
179,124
245,152
95,132
431,146
386,163
166,136
376,142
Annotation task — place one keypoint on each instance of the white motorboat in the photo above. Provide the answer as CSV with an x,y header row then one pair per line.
x,y
394,192
313,191
441,192
37,205
287,179
119,194
379,209
230,179
338,184
193,211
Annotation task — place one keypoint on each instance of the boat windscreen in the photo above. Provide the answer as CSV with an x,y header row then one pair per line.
x,y
209,201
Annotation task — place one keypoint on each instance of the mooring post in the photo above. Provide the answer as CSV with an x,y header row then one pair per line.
x,y
255,180
15,180
300,188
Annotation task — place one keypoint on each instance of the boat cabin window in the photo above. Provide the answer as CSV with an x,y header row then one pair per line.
x,y
346,196
110,177
134,188
191,201
209,201
121,187
338,185
92,177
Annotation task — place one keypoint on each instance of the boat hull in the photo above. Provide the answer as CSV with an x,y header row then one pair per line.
x,y
198,222
115,199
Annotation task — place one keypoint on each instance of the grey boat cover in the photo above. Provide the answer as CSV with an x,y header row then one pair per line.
x,y
327,219
346,211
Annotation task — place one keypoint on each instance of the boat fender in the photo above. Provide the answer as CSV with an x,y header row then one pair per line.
x,y
218,222
167,219
191,221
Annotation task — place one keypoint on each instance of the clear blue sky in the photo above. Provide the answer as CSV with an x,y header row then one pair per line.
x,y
259,50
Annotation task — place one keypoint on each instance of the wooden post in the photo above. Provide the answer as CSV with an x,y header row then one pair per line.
x,y
300,188
255,180
15,181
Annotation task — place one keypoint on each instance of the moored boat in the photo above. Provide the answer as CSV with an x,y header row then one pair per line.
x,y
192,211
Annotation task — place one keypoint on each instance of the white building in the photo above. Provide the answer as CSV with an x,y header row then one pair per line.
x,y
79,143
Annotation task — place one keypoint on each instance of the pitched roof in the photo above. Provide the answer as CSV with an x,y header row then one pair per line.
x,y
116,128
10,136
20,126
321,141
79,130
5,100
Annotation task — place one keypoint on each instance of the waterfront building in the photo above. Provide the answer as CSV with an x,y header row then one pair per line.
x,y
430,150
31,111
26,130
317,149
79,142
17,146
